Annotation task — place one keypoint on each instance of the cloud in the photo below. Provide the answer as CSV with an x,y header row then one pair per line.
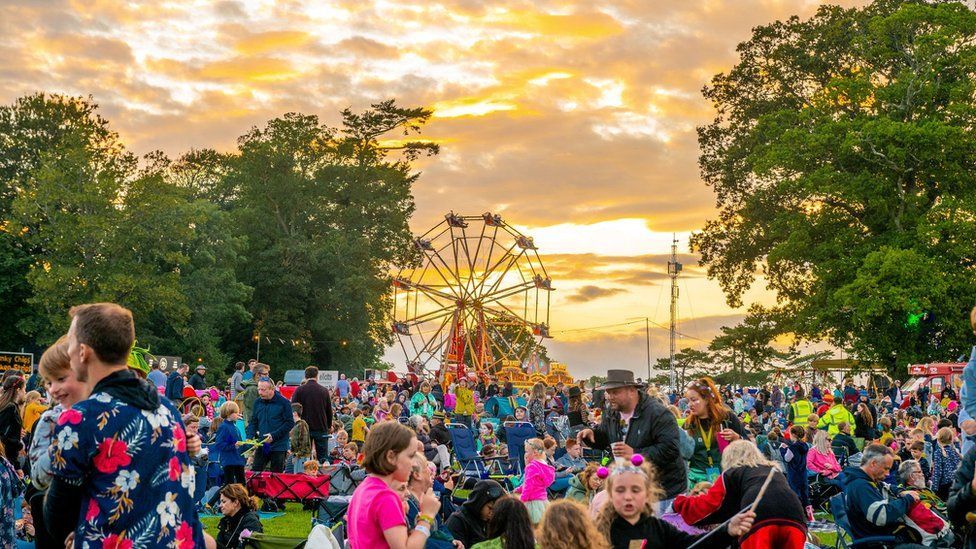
x,y
589,293
555,114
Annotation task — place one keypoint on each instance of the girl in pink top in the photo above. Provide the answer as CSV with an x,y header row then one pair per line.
x,y
539,475
821,458
375,518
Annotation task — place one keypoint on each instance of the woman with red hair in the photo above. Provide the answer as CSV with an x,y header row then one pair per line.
x,y
712,426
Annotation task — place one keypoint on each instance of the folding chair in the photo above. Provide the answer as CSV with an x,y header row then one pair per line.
x,y
516,433
342,479
465,450
332,510
838,508
257,540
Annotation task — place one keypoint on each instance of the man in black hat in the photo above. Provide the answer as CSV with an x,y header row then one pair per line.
x,y
637,423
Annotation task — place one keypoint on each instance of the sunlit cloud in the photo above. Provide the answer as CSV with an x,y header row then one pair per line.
x,y
574,120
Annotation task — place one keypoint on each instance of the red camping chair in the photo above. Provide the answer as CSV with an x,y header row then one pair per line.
x,y
288,486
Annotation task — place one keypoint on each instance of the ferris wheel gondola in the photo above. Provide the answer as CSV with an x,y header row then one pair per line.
x,y
477,297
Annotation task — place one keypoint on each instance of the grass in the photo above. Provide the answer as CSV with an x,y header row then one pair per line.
x,y
294,523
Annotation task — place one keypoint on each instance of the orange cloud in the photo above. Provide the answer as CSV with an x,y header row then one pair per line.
x,y
272,41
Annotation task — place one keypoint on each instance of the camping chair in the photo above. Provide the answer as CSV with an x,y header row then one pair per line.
x,y
343,480
838,508
516,433
288,486
821,490
332,510
257,540
465,450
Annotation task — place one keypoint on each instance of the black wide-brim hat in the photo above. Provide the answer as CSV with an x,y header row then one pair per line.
x,y
619,378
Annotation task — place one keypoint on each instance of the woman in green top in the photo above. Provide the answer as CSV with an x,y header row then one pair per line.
x,y
712,426
510,527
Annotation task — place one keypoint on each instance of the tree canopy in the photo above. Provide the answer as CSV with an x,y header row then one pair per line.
x,y
291,235
842,156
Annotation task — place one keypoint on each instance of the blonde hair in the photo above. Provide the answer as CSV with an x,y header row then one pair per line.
x,y
229,408
743,453
926,424
945,435
567,524
609,514
813,418
54,362
536,444
822,443
31,396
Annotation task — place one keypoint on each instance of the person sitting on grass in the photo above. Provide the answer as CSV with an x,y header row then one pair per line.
x,y
240,513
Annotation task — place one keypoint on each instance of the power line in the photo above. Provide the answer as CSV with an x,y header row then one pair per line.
x,y
659,325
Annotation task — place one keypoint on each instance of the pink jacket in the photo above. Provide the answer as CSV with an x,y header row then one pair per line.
x,y
539,475
823,464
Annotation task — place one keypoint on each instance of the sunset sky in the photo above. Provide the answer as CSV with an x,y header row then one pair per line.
x,y
575,120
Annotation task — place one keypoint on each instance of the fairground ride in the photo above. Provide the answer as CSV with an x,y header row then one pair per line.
x,y
477,298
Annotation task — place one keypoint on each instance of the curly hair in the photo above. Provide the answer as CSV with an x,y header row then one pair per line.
x,y
567,524
609,514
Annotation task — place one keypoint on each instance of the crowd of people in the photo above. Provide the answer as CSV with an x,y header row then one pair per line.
x,y
102,448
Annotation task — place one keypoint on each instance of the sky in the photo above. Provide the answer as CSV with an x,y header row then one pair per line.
x,y
574,120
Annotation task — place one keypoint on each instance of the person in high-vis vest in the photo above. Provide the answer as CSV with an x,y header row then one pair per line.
x,y
834,416
800,409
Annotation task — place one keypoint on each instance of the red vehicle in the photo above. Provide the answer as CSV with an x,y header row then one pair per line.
x,y
935,376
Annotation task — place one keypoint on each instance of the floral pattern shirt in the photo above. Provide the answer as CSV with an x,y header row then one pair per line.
x,y
10,488
135,471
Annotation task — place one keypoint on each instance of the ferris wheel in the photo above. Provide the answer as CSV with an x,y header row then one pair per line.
x,y
477,297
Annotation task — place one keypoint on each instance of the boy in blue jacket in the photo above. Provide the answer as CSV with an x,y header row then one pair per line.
x,y
226,444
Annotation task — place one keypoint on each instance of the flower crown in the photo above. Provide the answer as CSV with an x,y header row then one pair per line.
x,y
702,389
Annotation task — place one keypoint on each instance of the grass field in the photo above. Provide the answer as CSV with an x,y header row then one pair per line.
x,y
294,523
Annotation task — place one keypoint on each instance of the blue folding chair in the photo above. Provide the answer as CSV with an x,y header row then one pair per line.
x,y
516,433
466,450
838,508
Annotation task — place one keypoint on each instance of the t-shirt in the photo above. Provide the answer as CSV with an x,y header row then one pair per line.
x,y
359,429
374,508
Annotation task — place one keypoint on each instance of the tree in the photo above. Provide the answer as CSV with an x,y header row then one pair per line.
x,y
842,159
747,349
689,364
325,213
100,228
34,128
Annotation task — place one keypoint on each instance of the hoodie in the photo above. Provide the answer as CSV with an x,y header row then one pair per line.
x,y
873,509
465,523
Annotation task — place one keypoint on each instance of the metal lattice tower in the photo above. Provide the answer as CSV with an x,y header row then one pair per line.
x,y
674,268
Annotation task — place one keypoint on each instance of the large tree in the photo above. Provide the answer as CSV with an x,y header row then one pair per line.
x,y
101,225
842,157
325,211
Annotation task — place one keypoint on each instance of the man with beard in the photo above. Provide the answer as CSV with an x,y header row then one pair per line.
x,y
637,423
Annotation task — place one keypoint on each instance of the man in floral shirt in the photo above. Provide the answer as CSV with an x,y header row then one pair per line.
x,y
121,475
